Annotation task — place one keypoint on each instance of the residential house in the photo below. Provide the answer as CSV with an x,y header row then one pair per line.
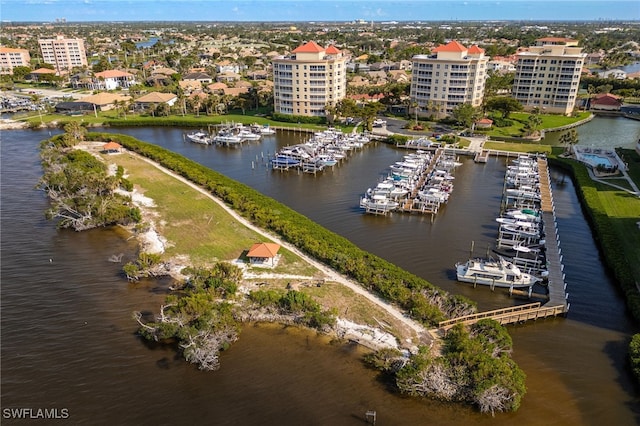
x,y
614,74
605,102
379,78
155,98
399,76
36,75
112,79
359,81
200,77
217,87
258,75
226,66
228,77
190,86
105,101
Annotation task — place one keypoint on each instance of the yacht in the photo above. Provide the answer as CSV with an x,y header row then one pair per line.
x,y
378,204
248,135
227,138
199,137
495,273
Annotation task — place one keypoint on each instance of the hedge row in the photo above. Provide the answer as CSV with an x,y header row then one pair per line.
x,y
425,302
604,233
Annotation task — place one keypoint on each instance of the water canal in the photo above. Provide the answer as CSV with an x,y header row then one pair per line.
x,y
68,338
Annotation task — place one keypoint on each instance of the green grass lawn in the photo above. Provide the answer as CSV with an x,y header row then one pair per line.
x,y
194,224
518,147
519,119
623,210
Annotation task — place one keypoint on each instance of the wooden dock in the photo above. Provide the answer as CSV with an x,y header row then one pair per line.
x,y
481,156
557,286
510,315
556,301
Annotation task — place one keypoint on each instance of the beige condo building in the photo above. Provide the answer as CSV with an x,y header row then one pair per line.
x,y
63,53
11,58
451,75
548,74
308,79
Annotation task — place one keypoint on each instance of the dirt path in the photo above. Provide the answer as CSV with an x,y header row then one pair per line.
x,y
329,273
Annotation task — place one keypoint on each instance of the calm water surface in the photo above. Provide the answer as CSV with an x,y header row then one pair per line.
x,y
68,340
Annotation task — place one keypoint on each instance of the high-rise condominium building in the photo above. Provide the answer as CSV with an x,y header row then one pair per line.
x,y
452,75
63,53
11,58
308,79
548,74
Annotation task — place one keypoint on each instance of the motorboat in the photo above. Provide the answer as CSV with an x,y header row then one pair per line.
x,y
284,161
200,137
529,215
263,130
247,135
378,204
494,272
227,138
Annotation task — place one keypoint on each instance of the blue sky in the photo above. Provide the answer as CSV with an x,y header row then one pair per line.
x,y
316,10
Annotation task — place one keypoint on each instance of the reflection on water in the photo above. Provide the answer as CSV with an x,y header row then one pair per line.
x,y
68,339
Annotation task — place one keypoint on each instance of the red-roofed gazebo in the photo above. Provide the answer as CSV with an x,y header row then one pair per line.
x,y
263,254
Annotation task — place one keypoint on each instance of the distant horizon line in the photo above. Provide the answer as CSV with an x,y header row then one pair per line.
x,y
598,20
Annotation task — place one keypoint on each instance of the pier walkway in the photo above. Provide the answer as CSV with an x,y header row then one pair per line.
x,y
510,315
557,286
556,303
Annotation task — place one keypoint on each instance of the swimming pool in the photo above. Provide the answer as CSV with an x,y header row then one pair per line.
x,y
595,160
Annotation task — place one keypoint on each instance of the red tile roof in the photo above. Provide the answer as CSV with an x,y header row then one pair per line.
x,y
606,99
452,46
111,146
267,250
332,50
43,71
475,49
310,47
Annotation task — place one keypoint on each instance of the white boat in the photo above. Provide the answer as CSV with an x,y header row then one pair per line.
x,y
266,130
529,215
283,161
199,137
262,129
495,273
247,135
378,204
227,138
327,160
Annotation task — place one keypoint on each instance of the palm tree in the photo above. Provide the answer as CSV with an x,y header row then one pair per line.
x,y
569,139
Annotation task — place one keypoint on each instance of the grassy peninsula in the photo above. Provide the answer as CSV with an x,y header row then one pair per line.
x,y
202,317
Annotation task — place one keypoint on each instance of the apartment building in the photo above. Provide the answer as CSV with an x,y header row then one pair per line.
x,y
11,58
548,74
308,79
63,53
451,75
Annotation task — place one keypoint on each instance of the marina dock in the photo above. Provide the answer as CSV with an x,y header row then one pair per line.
x,y
556,284
553,303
